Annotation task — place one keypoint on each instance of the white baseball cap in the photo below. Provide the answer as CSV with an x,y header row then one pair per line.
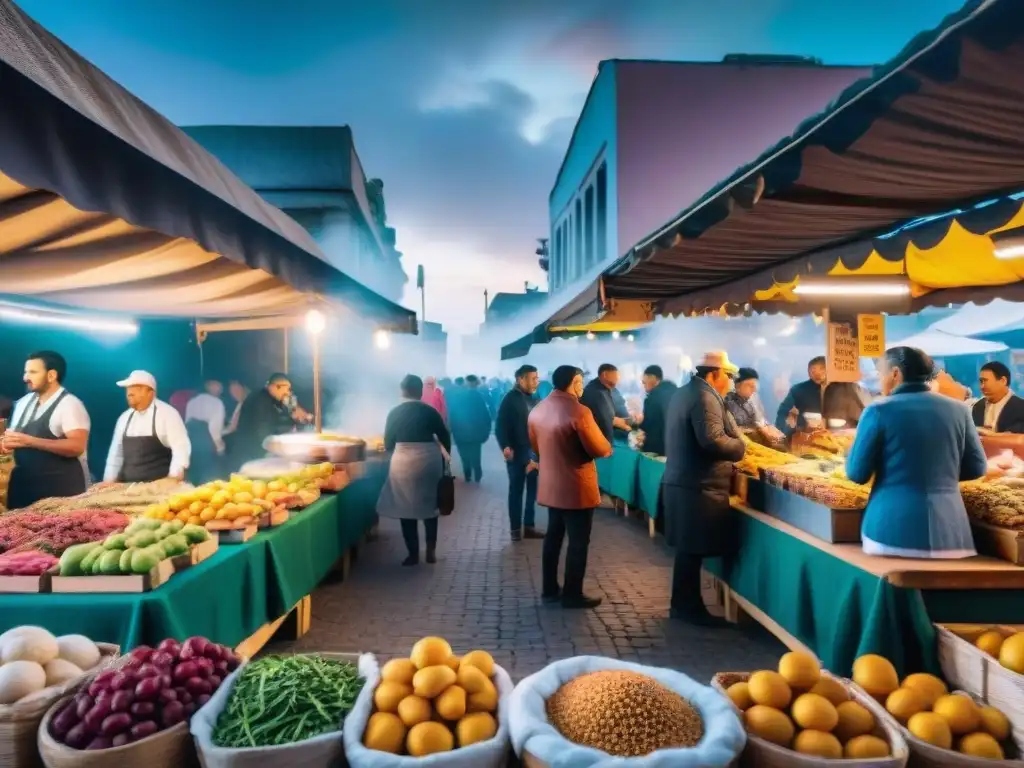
x,y
139,379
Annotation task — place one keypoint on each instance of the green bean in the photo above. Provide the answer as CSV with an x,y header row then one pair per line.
x,y
281,700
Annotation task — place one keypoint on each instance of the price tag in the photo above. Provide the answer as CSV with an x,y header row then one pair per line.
x,y
871,335
843,354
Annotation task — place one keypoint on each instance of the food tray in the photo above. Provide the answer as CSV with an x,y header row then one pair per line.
x,y
311,448
979,674
132,583
1003,543
760,753
836,526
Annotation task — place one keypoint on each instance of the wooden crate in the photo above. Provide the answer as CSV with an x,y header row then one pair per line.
x,y
1004,543
836,526
132,583
975,672
24,585
236,535
196,554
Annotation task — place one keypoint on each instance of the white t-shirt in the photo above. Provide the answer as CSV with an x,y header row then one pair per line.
x,y
70,415
170,431
206,407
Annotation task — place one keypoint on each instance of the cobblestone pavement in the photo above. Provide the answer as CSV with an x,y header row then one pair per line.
x,y
484,593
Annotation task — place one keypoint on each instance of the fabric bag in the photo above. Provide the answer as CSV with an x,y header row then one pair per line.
x,y
486,754
320,752
532,734
446,485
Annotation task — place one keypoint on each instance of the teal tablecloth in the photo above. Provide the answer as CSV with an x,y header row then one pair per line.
x,y
631,476
649,471
225,598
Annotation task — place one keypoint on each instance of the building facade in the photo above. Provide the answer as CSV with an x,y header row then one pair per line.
x,y
315,176
653,137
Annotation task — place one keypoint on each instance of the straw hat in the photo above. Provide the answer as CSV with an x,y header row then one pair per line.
x,y
719,359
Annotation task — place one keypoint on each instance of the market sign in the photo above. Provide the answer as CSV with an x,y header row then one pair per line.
x,y
871,335
843,354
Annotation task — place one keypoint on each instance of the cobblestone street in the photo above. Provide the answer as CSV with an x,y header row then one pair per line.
x,y
484,593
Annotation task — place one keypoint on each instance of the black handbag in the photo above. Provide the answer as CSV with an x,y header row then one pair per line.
x,y
446,485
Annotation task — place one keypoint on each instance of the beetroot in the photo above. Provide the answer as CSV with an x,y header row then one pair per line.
x,y
215,681
171,714
149,670
83,703
144,729
122,701
124,680
142,653
197,686
116,723
202,699
204,666
192,648
170,646
100,742
167,695
101,682
148,688
141,709
64,721
94,717
162,659
77,737
121,739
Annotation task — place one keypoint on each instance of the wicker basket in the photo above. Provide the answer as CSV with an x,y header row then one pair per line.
x,y
979,674
763,754
19,722
924,755
172,748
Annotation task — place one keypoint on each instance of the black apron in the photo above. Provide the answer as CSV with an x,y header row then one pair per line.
x,y
145,458
40,474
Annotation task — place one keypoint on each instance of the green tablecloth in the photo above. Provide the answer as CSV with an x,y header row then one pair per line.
x,y
841,611
616,475
225,598
649,472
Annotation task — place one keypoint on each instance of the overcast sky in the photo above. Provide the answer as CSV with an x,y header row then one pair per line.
x,y
464,109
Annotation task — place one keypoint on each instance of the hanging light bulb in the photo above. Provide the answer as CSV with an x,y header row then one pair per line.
x,y
315,322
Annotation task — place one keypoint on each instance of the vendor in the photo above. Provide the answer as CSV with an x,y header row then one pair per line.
x,y
204,421
150,441
918,445
48,436
802,398
600,397
269,411
744,403
999,410
659,393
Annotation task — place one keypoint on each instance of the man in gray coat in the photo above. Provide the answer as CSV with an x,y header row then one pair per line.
x,y
701,443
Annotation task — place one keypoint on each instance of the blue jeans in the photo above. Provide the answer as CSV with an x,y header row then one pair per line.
x,y
518,477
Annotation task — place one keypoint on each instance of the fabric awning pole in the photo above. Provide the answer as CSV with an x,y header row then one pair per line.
x,y
285,367
317,400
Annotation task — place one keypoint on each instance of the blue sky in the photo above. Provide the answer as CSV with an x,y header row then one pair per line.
x,y
464,109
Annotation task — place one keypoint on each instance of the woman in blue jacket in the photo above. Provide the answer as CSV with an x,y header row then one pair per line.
x,y
918,446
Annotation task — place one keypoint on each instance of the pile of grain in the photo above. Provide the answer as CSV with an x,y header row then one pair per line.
x,y
624,714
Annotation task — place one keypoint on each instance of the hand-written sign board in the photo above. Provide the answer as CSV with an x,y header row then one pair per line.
x,y
843,354
871,335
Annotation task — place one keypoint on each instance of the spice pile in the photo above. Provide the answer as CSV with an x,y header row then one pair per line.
x,y
823,481
760,457
287,699
130,498
625,714
1000,502
52,534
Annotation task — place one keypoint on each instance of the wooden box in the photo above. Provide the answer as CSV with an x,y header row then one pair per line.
x,y
24,585
133,583
1004,543
237,535
979,674
836,526
196,554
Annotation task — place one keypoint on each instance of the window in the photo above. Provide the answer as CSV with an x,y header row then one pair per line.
x,y
588,239
602,213
577,262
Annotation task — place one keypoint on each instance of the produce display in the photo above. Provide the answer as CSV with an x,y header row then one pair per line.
x,y
999,502
52,534
32,660
6,464
760,457
130,498
1007,648
281,700
823,481
137,550
241,501
799,708
924,706
29,562
829,443
154,690
433,701
623,713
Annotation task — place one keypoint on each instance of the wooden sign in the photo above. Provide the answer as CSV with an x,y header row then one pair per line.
x,y
871,335
843,354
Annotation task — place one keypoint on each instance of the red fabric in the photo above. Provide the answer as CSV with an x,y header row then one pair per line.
x,y
179,400
433,396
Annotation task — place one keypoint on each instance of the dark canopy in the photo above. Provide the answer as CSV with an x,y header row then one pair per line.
x,y
938,128
106,204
